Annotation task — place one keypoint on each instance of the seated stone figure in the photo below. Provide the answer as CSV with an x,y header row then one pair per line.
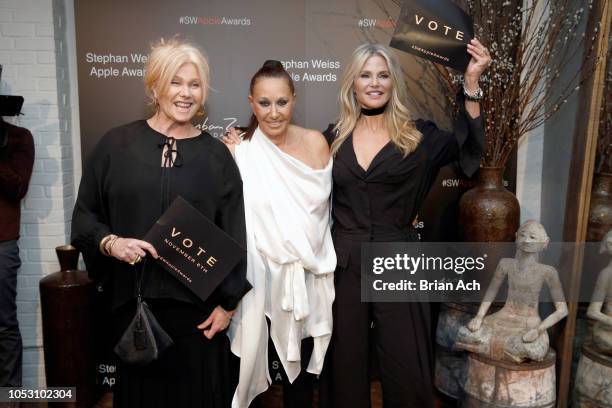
x,y
600,308
516,333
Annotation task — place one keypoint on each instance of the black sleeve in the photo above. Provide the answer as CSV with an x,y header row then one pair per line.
x,y
330,134
15,172
465,144
230,218
89,222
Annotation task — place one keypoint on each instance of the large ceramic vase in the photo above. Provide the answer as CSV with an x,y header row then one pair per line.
x,y
489,212
600,210
67,304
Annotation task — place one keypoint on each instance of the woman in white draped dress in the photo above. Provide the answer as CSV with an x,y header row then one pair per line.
x,y
286,173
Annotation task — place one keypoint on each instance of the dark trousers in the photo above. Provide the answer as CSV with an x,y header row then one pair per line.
x,y
298,394
10,338
401,340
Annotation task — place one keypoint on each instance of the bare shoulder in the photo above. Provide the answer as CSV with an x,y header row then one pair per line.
x,y
316,143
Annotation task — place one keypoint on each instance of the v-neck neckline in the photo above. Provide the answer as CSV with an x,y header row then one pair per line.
x,y
372,162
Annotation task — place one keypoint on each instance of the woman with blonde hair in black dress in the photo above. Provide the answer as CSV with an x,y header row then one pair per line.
x,y
132,176
384,165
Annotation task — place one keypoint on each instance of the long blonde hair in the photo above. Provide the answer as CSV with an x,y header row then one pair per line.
x,y
398,120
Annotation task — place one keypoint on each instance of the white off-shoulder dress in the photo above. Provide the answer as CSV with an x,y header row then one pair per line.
x,y
291,261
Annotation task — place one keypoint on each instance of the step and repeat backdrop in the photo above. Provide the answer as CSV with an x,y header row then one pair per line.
x,y
313,38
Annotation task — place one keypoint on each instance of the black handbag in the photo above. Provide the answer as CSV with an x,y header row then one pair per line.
x,y
144,340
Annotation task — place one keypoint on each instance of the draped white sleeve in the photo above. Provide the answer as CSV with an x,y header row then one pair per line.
x,y
291,260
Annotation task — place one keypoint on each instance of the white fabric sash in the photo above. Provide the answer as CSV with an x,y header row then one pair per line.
x,y
291,260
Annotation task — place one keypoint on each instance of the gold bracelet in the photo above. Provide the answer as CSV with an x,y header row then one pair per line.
x,y
103,242
110,244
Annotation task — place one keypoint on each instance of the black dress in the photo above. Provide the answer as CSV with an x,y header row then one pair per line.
x,y
379,205
124,190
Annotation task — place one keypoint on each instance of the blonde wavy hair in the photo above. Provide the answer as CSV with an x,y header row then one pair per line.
x,y
398,120
165,59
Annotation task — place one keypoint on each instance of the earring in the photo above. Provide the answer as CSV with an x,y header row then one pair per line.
x,y
200,112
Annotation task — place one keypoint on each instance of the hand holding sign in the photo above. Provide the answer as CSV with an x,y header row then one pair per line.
x,y
481,59
131,250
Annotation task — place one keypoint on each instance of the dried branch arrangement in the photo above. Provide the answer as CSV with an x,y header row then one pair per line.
x,y
541,55
604,141
528,81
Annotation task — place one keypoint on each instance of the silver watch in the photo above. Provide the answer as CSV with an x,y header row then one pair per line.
x,y
476,96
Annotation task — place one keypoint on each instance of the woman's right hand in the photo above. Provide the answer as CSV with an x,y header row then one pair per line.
x,y
218,321
129,249
232,137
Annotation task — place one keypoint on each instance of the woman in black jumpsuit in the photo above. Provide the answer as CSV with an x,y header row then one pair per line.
x,y
377,202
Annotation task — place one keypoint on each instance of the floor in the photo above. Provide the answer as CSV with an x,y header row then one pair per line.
x,y
272,399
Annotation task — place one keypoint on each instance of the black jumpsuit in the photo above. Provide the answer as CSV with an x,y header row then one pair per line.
x,y
379,205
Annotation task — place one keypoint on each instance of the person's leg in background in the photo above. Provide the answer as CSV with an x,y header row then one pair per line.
x,y
296,395
10,337
300,393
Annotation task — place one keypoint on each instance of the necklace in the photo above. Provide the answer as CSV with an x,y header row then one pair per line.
x,y
373,112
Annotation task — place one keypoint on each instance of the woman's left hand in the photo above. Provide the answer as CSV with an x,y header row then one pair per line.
x,y
218,321
481,59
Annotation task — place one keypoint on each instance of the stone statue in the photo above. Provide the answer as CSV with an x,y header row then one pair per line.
x,y
516,333
600,308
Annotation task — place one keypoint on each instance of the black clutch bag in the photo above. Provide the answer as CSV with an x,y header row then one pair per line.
x,y
144,340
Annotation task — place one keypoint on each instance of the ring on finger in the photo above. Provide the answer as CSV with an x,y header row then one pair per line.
x,y
135,260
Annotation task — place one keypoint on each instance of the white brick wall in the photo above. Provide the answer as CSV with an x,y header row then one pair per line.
x,y
33,44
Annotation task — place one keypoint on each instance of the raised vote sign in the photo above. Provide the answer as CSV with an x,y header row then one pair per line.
x,y
437,30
